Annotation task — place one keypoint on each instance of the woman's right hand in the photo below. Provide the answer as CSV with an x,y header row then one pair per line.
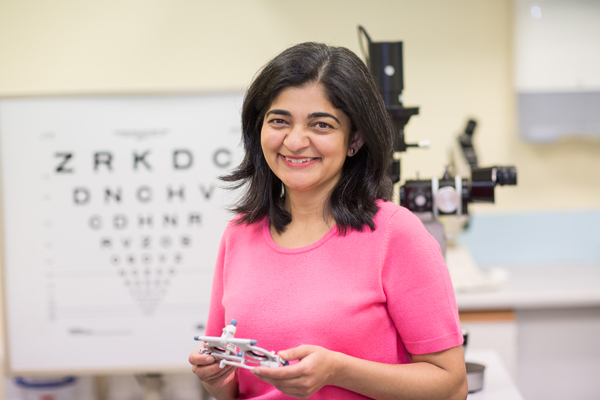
x,y
208,370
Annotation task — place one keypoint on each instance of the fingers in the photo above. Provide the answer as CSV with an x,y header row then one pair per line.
x,y
291,371
301,379
208,370
280,373
213,374
222,377
201,359
288,376
296,353
299,387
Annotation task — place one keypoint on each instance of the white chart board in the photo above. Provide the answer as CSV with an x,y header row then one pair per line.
x,y
112,217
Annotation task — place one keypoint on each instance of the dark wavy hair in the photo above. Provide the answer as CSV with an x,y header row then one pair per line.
x,y
350,88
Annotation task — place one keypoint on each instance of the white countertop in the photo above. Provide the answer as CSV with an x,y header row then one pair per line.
x,y
497,384
539,287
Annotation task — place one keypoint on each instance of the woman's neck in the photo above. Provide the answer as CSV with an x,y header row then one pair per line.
x,y
308,208
311,220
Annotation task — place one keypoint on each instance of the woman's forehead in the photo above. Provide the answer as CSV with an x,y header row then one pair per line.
x,y
310,98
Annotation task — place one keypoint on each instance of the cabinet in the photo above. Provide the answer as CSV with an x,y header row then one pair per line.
x,y
544,323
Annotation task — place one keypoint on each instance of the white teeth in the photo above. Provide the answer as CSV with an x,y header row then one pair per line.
x,y
298,160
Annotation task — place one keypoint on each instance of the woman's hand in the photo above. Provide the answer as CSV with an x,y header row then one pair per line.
x,y
208,370
301,380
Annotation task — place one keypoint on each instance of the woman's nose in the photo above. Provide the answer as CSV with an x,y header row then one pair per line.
x,y
297,138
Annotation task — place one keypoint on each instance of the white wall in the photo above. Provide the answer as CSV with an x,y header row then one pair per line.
x,y
557,50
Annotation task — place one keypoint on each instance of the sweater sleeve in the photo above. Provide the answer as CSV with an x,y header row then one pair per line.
x,y
417,287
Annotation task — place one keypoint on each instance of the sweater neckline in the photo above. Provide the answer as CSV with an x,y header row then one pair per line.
x,y
296,250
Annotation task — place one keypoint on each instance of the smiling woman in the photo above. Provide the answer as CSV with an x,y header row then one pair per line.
x,y
364,175
305,140
348,267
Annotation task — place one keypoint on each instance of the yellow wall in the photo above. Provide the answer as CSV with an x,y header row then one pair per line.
x,y
458,64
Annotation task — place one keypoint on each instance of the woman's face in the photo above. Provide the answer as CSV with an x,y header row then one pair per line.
x,y
305,140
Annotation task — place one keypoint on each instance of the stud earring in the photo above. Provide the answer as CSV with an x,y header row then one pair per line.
x,y
352,150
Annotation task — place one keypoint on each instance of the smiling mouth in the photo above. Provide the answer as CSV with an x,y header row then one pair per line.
x,y
299,160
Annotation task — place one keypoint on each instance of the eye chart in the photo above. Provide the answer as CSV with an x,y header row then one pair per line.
x,y
112,217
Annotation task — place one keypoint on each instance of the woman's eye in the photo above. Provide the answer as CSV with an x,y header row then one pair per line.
x,y
322,125
278,121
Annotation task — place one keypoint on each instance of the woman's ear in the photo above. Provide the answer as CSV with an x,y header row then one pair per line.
x,y
356,142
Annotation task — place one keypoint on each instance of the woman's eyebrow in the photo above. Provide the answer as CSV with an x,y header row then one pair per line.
x,y
279,112
321,115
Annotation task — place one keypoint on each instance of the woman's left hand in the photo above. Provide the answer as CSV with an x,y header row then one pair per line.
x,y
301,380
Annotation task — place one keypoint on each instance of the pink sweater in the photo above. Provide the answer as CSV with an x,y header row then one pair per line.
x,y
376,295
